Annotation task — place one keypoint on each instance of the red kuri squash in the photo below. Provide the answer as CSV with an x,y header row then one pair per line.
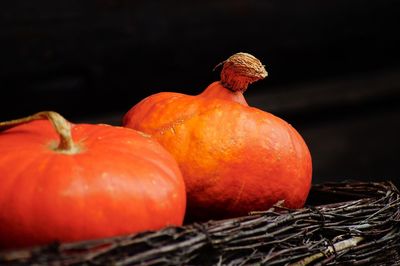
x,y
234,158
67,182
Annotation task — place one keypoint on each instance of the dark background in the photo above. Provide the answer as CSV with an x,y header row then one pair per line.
x,y
334,66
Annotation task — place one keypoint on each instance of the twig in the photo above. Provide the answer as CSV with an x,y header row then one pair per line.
x,y
342,245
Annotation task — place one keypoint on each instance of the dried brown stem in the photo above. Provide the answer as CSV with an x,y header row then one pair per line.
x,y
240,70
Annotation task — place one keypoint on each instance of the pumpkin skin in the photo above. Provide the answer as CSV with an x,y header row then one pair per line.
x,y
118,181
234,158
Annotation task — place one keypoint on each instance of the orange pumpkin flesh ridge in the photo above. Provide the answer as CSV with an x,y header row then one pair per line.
x,y
99,181
234,158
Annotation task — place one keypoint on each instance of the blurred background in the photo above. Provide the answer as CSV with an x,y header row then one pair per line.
x,y
334,66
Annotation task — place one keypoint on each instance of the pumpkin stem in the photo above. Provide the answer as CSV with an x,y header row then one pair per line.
x,y
240,70
60,124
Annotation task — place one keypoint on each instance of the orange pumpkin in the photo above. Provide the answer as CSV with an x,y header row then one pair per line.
x,y
234,158
83,182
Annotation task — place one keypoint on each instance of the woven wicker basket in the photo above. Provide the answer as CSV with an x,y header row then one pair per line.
x,y
350,223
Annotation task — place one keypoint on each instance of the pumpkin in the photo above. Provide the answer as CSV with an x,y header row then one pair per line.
x,y
67,182
234,158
